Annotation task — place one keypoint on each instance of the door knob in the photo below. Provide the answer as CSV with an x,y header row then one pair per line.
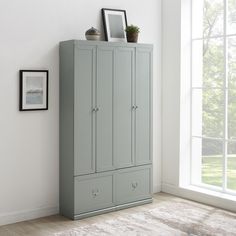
x,y
95,109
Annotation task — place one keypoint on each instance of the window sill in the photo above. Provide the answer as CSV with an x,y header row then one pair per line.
x,y
211,192
202,195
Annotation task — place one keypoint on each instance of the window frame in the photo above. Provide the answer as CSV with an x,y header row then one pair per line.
x,y
196,173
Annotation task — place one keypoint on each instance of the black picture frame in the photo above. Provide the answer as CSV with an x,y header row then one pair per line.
x,y
33,90
106,12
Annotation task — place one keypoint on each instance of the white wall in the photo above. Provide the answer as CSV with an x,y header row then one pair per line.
x,y
30,32
171,40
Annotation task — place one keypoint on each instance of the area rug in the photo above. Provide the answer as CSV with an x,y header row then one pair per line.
x,y
172,217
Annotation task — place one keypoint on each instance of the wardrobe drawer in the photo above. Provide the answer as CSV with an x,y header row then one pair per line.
x,y
93,193
132,185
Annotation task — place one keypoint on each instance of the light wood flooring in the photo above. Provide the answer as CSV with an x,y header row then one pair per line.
x,y
50,225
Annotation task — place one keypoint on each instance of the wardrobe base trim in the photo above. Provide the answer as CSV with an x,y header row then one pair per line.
x,y
114,208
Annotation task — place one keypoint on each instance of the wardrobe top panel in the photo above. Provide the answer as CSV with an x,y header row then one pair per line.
x,y
105,43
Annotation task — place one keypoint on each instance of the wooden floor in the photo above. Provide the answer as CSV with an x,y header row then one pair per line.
x,y
49,225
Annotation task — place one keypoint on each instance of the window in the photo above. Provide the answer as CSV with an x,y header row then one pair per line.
x,y
213,94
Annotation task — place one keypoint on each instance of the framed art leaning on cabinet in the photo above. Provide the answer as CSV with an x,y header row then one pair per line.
x,y
115,23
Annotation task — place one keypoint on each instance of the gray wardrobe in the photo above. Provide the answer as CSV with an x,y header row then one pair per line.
x,y
105,126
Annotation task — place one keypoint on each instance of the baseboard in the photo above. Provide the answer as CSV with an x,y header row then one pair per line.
x,y
205,196
14,217
156,188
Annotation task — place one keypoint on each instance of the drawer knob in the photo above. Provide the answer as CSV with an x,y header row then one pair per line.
x,y
134,185
95,192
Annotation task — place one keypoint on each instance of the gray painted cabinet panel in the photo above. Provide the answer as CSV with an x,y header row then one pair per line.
x,y
104,136
105,126
143,106
84,119
123,100
67,130
93,194
132,185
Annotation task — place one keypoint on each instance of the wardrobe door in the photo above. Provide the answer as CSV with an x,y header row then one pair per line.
x,y
84,144
143,106
123,81
104,114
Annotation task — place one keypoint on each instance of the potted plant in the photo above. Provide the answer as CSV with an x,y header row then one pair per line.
x,y
132,32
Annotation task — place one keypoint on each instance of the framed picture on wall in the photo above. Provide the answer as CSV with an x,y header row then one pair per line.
x,y
33,90
115,23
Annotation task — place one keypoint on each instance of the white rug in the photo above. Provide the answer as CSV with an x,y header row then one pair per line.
x,y
173,217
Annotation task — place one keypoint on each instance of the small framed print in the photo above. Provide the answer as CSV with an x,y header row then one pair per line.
x,y
115,23
33,90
